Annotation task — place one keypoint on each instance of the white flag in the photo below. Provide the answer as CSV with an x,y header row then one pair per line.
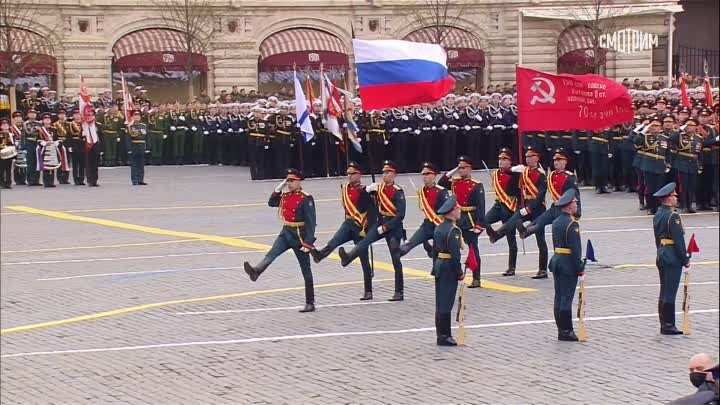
x,y
303,113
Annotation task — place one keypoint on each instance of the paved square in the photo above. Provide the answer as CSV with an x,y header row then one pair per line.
x,y
136,295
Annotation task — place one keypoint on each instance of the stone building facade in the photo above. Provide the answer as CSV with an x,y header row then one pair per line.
x,y
488,39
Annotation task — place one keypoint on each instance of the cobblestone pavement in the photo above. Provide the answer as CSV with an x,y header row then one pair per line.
x,y
99,314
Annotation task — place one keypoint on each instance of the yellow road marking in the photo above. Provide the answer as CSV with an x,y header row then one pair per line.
x,y
145,307
121,245
626,266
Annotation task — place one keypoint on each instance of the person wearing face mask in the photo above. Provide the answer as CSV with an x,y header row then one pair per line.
x,y
702,376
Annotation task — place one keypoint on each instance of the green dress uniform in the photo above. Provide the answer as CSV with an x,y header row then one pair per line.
x,y
158,126
654,162
447,270
566,266
197,136
178,123
709,180
688,163
113,147
137,148
671,257
297,210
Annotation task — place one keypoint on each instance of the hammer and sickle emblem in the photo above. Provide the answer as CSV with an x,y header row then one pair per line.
x,y
547,96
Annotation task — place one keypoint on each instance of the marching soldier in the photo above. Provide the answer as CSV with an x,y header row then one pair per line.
x,y
559,182
297,210
431,197
506,187
62,128
21,162
391,209
359,216
566,264
671,256
600,147
137,148
447,269
688,162
77,150
470,194
32,127
533,187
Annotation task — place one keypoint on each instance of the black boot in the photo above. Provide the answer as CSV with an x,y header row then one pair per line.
x,y
309,297
494,235
641,199
398,296
308,308
476,278
667,327
347,257
509,272
512,263
255,272
541,274
368,296
524,232
403,250
567,334
319,255
445,339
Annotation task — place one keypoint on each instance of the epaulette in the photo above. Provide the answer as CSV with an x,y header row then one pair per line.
x,y
397,187
475,181
305,193
569,173
439,187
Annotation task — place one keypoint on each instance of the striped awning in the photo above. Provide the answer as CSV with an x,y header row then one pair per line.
x,y
300,40
464,49
578,37
25,41
451,37
149,40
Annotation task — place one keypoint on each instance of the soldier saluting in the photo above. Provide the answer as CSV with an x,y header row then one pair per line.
x,y
297,210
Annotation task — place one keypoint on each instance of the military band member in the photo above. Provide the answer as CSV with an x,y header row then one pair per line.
x,y
559,181
137,148
297,210
17,130
6,162
566,264
92,143
359,216
447,269
391,210
62,128
31,129
506,186
470,195
49,155
533,187
431,197
687,162
671,256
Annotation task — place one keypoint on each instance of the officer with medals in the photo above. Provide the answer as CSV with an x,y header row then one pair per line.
x,y
566,264
62,128
656,159
137,148
506,186
533,187
709,180
297,210
687,162
447,269
558,182
470,195
391,210
359,216
671,255
77,151
431,197
31,129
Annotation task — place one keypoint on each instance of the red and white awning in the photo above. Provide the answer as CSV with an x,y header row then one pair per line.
x,y
24,41
463,48
575,38
150,40
300,40
576,51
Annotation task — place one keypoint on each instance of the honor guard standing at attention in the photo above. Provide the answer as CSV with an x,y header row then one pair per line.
x,y
359,215
655,159
32,127
566,264
297,210
687,162
21,162
62,128
77,149
447,269
391,210
137,148
559,182
709,180
430,198
113,123
158,126
506,186
671,256
470,195
533,187
600,147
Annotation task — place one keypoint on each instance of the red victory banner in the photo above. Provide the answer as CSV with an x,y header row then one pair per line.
x,y
564,102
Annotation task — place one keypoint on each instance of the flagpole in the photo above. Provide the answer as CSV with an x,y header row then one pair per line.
x,y
325,135
302,135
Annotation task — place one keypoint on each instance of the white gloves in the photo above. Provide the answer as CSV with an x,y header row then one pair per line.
x,y
129,152
172,128
524,212
577,152
117,140
514,126
240,130
686,270
219,131
478,117
444,127
428,118
304,249
164,136
417,132
667,169
194,128
386,143
395,130
452,172
344,124
43,143
280,186
206,133
456,116
230,130
610,155
371,187
467,127
181,118
517,168
267,147
147,151
70,150
380,230
405,118
202,117
489,128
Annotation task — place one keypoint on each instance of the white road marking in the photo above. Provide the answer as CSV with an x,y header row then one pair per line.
x,y
326,335
112,259
588,287
136,272
238,311
484,255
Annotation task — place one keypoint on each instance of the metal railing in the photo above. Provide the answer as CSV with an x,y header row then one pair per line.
x,y
692,60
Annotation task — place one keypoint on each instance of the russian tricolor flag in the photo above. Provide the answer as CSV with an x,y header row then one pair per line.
x,y
396,73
